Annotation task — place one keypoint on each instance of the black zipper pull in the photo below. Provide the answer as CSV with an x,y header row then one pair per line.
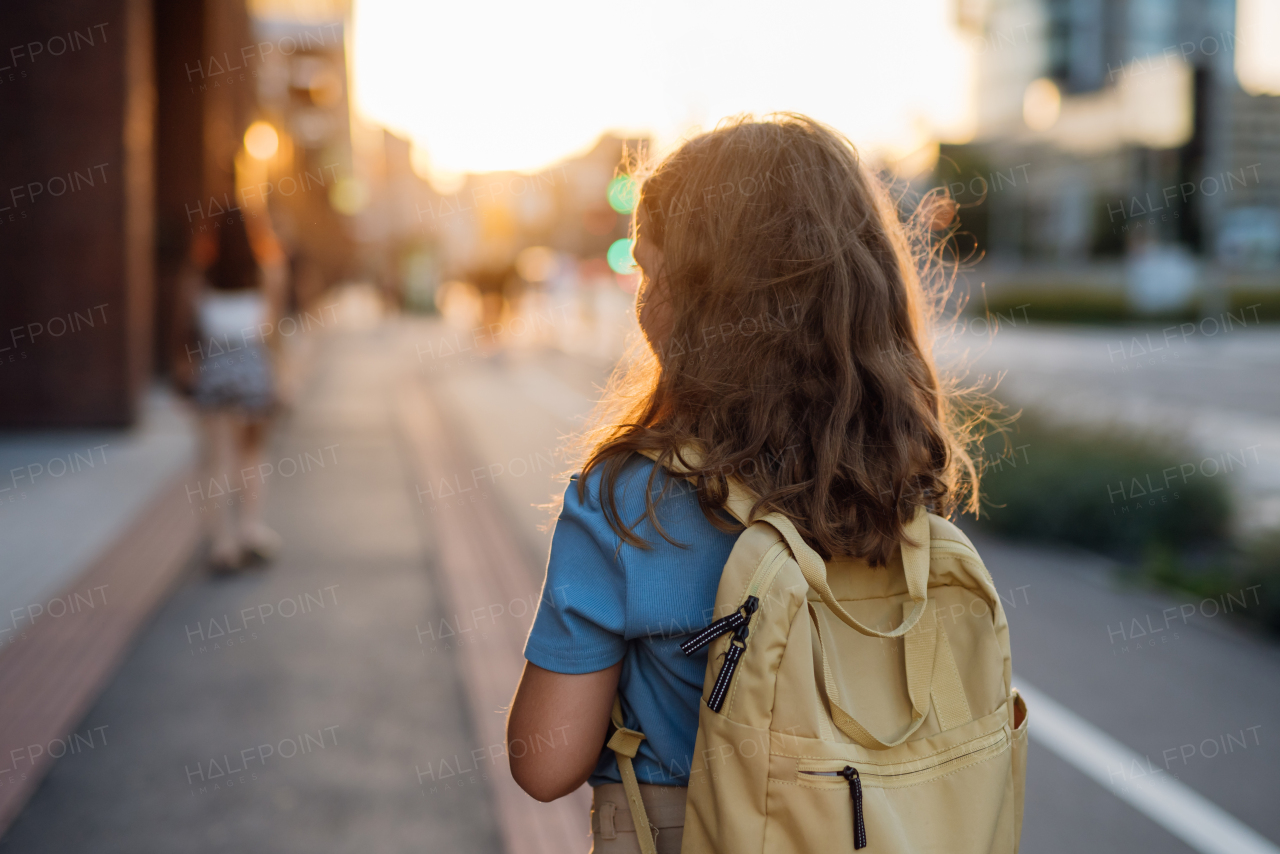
x,y
739,622
731,623
855,792
731,657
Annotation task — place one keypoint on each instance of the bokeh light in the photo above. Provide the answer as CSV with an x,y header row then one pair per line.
x,y
536,263
1041,104
261,141
349,196
1257,57
325,88
623,193
619,257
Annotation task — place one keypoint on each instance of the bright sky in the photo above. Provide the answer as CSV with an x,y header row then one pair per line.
x,y
520,85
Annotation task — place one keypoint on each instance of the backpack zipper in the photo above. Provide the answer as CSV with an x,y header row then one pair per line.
x,y
739,622
991,743
737,646
850,774
732,623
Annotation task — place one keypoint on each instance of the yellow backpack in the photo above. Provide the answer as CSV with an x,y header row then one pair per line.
x,y
847,707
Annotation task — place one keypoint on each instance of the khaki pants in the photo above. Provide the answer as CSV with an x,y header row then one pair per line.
x,y
612,830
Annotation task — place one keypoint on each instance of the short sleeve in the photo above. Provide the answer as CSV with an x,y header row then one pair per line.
x,y
581,618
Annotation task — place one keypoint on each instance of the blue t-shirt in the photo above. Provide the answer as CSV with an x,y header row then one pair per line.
x,y
606,601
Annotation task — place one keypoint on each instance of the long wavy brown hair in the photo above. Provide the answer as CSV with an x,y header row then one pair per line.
x,y
798,360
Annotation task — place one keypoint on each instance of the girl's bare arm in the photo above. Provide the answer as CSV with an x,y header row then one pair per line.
x,y
557,728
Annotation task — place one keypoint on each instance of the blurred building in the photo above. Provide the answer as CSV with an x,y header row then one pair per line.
x,y
1117,128
399,243
493,216
309,182
116,121
125,121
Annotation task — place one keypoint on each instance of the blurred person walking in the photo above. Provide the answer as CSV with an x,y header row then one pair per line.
x,y
231,307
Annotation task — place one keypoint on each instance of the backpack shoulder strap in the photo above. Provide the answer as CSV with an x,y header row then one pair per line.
x,y
915,552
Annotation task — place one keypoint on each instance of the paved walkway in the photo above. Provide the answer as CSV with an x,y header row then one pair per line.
x,y
64,496
291,710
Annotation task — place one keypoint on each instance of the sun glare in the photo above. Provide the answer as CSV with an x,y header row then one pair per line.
x,y
524,86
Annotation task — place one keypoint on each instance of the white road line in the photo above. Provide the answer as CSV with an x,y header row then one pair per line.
x,y
1196,821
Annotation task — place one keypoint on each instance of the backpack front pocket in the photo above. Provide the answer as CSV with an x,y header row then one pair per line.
x,y
894,800
826,772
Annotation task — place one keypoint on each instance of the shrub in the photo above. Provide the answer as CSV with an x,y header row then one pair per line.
x,y
1075,305
1066,304
1262,567
1251,573
1108,490
1263,306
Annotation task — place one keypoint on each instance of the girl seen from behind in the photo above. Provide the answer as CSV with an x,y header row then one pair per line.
x,y
788,350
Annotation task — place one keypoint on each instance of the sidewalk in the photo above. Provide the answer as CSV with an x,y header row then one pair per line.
x,y
94,536
97,526
65,497
293,709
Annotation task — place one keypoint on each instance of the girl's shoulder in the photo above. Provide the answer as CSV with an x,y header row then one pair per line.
x,y
638,475
675,501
